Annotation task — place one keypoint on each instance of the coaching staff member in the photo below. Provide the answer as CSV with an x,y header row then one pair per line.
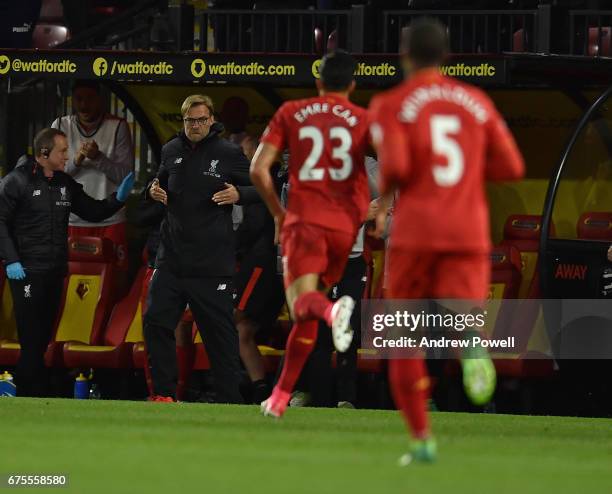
x,y
196,257
36,199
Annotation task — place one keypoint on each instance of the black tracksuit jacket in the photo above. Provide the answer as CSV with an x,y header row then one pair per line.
x,y
34,214
197,237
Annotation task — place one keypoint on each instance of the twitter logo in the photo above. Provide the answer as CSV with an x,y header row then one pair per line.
x,y
5,64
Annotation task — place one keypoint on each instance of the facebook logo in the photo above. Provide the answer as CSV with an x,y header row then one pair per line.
x,y
100,66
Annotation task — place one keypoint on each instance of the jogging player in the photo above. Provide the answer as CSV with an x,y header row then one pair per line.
x,y
438,140
328,201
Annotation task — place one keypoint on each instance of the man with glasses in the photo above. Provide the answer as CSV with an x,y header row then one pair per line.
x,y
201,175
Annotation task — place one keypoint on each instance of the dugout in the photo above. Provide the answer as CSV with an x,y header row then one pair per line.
x,y
547,100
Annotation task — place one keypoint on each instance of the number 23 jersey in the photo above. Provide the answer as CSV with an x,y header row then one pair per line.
x,y
327,137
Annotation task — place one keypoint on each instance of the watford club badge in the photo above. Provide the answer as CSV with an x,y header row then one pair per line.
x,y
82,289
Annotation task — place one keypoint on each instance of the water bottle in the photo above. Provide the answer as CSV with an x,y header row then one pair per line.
x,y
7,387
81,387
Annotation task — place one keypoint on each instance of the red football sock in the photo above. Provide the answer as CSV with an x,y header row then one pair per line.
x,y
185,356
410,388
300,343
313,305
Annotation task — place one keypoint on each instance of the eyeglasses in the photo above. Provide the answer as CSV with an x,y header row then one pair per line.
x,y
195,121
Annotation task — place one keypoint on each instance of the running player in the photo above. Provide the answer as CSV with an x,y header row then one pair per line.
x,y
327,137
438,140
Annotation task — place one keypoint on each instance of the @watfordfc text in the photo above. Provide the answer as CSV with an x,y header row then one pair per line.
x,y
42,66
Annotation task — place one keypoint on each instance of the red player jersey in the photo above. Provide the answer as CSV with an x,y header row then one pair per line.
x,y
438,140
327,138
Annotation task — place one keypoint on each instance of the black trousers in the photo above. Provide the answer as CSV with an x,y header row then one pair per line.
x,y
36,301
318,372
210,301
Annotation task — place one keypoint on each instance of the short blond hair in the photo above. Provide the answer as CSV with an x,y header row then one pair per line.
x,y
196,100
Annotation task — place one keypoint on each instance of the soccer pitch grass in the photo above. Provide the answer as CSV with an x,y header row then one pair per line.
x,y
133,447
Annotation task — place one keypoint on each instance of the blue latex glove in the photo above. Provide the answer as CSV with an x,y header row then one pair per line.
x,y
14,271
123,191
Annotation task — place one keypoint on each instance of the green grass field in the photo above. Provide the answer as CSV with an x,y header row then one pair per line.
x,y
132,447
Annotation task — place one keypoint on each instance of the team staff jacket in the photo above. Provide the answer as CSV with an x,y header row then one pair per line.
x,y
34,213
197,237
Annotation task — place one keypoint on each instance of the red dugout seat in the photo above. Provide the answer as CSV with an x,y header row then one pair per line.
x,y
595,226
522,232
505,283
505,272
89,294
123,331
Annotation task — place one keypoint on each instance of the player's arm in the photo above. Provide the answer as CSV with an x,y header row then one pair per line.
x,y
503,157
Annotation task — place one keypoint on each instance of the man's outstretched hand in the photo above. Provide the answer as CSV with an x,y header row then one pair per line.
x,y
229,195
157,193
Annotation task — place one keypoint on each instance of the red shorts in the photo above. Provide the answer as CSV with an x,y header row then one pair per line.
x,y
419,274
310,249
115,233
